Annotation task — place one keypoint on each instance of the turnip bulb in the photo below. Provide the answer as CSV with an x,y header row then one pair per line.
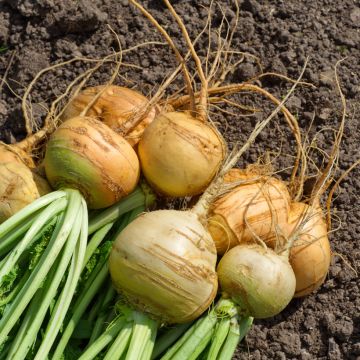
x,y
310,253
257,207
164,264
258,280
19,186
86,155
179,154
115,106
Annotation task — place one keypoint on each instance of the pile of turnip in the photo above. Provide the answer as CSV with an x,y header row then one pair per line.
x,y
87,271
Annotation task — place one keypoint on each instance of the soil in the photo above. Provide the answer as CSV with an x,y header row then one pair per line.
x,y
281,34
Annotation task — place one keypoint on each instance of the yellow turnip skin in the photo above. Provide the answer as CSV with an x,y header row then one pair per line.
x,y
257,207
85,154
164,264
310,254
115,106
179,154
19,186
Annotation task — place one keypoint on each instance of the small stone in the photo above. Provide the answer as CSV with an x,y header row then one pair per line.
x,y
145,63
324,113
355,16
309,323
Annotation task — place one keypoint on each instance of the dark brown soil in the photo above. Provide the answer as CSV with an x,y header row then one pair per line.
x,y
325,325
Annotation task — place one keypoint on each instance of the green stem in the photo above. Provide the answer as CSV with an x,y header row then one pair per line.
x,y
45,216
245,325
102,341
95,308
120,344
93,283
135,199
189,347
238,330
195,343
104,311
168,338
100,234
4,352
25,324
63,303
149,347
202,345
231,341
170,352
220,334
127,219
12,237
36,312
23,261
96,240
51,287
18,218
59,236
142,329
92,286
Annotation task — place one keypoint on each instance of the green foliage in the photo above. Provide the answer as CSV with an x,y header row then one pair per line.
x,y
99,255
39,248
8,281
9,285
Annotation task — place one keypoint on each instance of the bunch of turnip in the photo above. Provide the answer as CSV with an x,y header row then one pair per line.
x,y
175,284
